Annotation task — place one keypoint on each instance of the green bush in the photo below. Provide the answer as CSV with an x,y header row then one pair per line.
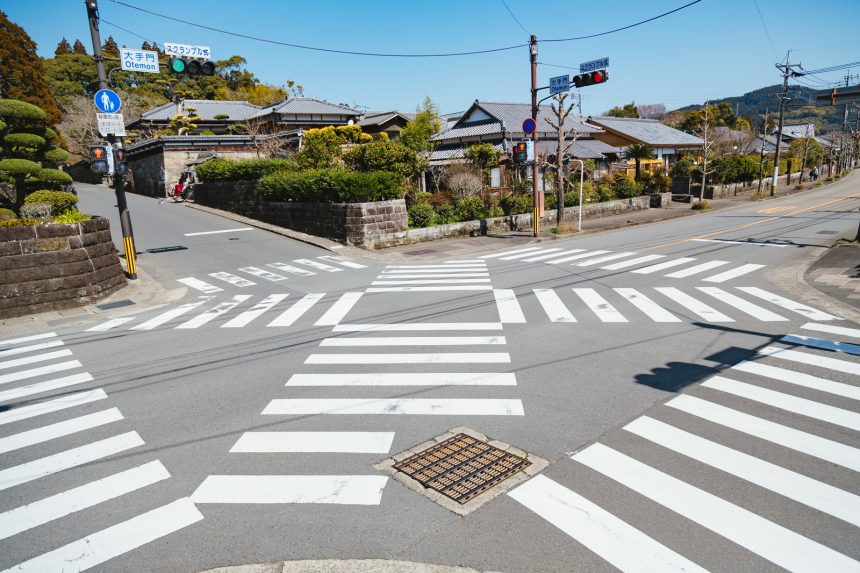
x,y
519,203
550,200
423,197
71,216
604,193
445,213
19,167
701,205
331,186
18,223
23,141
36,210
60,201
21,112
421,215
626,188
470,208
218,169
53,177
7,214
56,155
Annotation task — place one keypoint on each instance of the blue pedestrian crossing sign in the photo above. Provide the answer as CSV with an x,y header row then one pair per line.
x,y
107,101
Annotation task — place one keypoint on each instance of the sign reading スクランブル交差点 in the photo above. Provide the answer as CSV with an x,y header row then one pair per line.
x,y
138,60
187,51
594,65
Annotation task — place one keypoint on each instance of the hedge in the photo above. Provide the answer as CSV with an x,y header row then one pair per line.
x,y
60,201
218,169
331,186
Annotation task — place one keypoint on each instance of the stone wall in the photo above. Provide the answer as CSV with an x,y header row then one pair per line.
x,y
157,170
54,266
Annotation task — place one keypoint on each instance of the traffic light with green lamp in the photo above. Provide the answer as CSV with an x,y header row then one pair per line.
x,y
191,66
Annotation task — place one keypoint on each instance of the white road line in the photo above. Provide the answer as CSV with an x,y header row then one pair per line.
x,y
406,379
31,348
528,254
733,273
412,358
799,379
795,486
168,316
339,309
664,265
197,284
54,384
822,343
70,501
551,255
48,406
292,314
32,359
318,265
604,259
58,430
761,536
614,540
812,359
112,323
13,341
414,341
742,305
653,310
254,312
509,308
784,436
831,329
516,252
599,305
343,262
464,261
392,275
429,289
575,257
788,304
428,281
232,279
553,306
214,312
747,243
696,269
33,372
406,326
316,442
217,232
115,540
64,460
706,312
405,406
263,274
342,489
291,269
436,268
632,262
802,406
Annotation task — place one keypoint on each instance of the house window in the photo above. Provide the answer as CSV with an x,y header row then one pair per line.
x,y
496,177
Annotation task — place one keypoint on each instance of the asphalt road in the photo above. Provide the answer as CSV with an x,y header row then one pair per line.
x,y
649,366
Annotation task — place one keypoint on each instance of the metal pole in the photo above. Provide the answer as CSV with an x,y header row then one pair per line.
x,y
122,205
536,197
581,181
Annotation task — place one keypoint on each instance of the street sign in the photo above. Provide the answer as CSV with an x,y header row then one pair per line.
x,y
593,65
836,96
107,101
559,84
111,124
139,60
529,126
530,151
187,50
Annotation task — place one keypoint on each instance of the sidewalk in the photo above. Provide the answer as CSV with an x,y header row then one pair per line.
x,y
837,274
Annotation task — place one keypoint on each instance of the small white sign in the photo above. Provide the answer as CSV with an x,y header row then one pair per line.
x,y
559,84
138,60
111,124
187,51
593,65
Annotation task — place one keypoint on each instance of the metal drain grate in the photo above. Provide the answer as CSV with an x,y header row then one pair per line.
x,y
461,467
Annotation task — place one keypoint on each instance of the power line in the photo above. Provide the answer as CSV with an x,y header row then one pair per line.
x,y
124,29
763,25
832,68
505,4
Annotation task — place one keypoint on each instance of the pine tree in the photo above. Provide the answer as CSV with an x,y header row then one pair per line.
x,y
110,47
79,48
145,46
63,47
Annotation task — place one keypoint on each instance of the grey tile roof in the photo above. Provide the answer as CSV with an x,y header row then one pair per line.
x,y
454,151
308,106
470,130
649,131
798,130
513,115
206,109
380,117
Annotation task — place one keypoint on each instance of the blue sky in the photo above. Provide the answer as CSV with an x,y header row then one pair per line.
x,y
715,48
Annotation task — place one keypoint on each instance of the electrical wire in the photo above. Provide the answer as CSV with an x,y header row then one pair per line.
x,y
767,33
125,30
832,68
505,4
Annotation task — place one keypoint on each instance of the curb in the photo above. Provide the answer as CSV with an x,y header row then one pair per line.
x,y
343,566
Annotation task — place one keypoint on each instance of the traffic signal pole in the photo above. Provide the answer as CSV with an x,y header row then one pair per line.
x,y
122,205
536,195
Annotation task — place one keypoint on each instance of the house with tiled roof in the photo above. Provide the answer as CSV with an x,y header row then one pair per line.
x,y
305,113
667,142
388,122
215,115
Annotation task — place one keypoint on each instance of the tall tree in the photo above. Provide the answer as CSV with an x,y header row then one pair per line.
x,y
63,47
565,138
79,47
21,70
145,46
417,133
705,130
628,110
110,47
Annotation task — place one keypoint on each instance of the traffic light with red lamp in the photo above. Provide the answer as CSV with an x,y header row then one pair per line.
x,y
520,152
99,159
591,78
120,165
191,66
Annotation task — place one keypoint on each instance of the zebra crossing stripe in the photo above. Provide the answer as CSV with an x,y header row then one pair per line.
x,y
55,384
197,284
788,304
468,267
799,379
390,275
528,254
429,281
831,329
811,359
33,359
292,314
575,257
465,261
112,323
813,493
551,255
516,252
405,326
48,406
429,288
339,309
613,539
733,273
396,406
509,309
232,279
263,274
599,305
632,262
413,358
742,305
343,262
822,343
696,269
291,269
169,315
802,406
62,504
785,436
254,312
31,348
13,341
706,312
664,265
214,312
58,430
315,442
406,379
603,259
651,309
318,265
757,534
414,341
33,372
553,306
115,540
328,489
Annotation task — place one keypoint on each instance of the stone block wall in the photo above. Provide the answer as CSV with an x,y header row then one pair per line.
x,y
55,266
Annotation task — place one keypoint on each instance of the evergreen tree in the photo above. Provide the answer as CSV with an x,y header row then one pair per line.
x,y
79,48
63,47
110,47
628,110
145,46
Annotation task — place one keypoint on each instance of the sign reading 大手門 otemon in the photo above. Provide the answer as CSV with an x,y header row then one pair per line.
x,y
138,60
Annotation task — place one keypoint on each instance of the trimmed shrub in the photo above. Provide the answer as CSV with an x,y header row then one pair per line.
x,y
331,186
19,167
71,216
218,169
520,203
21,112
7,214
23,141
470,208
423,197
701,205
36,210
626,188
445,213
59,201
18,223
421,215
56,155
53,177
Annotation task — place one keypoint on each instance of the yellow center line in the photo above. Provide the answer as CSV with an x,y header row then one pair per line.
x,y
777,209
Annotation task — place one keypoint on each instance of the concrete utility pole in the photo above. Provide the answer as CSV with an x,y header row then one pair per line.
x,y
761,156
124,216
536,195
787,72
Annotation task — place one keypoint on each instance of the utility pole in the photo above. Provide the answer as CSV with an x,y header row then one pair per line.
x,y
845,117
122,205
536,195
787,72
761,156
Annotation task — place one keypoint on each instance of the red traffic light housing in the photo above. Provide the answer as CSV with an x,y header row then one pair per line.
x,y
520,153
99,159
591,78
119,160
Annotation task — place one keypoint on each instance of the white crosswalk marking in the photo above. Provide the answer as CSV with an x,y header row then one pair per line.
x,y
509,308
263,274
394,275
48,406
291,269
317,265
811,359
316,442
632,262
788,304
414,341
41,370
553,306
465,261
413,358
822,344
232,279
429,281
336,489
664,265
696,269
254,312
343,262
617,542
528,254
405,326
742,305
651,309
516,252
292,314
21,340
733,273
115,540
58,430
339,309
603,259
599,305
197,284
552,255
831,329
429,288
765,538
47,386
214,312
707,313
169,315
576,257
112,323
404,406
31,348
466,267
799,379
33,359
406,379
